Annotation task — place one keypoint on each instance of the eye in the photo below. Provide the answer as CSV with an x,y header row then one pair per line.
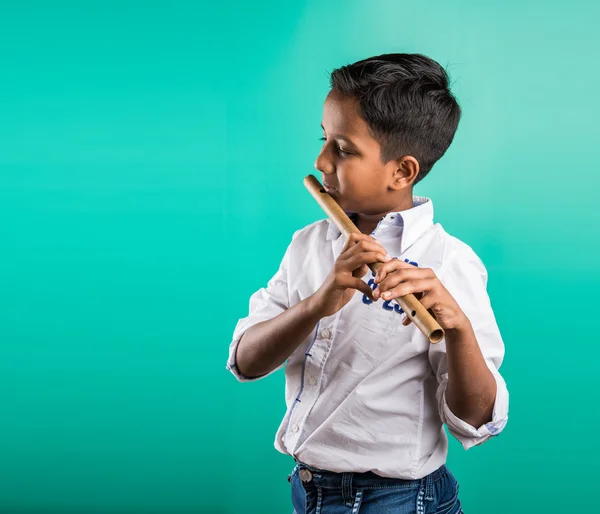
x,y
342,153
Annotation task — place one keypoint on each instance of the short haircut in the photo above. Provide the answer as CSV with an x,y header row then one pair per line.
x,y
407,104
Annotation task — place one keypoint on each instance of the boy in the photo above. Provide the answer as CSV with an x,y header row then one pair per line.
x,y
366,393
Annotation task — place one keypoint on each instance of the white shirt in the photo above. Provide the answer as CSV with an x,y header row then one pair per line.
x,y
363,392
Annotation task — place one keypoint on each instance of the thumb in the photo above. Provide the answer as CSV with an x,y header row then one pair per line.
x,y
357,283
360,272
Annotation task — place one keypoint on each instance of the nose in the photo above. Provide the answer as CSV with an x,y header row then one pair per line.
x,y
324,163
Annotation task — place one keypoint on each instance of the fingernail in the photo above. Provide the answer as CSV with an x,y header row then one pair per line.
x,y
376,293
388,258
386,295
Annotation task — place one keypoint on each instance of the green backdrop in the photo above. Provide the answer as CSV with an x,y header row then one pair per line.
x,y
151,165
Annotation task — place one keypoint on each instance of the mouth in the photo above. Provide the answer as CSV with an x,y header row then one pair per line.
x,y
329,188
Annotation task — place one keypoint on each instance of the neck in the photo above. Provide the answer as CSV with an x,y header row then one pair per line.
x,y
367,223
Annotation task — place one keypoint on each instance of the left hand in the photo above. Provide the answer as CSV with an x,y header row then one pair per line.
x,y
397,278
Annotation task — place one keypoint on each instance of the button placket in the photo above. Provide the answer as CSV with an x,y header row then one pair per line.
x,y
309,397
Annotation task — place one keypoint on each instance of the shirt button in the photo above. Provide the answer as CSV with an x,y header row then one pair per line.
x,y
295,429
312,381
325,333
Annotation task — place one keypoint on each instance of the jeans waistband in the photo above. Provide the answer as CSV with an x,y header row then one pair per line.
x,y
366,480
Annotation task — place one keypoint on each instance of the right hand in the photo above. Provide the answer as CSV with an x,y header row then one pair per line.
x,y
345,276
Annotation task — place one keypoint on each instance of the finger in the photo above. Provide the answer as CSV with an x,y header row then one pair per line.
x,y
429,300
362,246
398,266
399,276
350,242
357,237
410,287
357,283
360,249
360,272
391,266
356,261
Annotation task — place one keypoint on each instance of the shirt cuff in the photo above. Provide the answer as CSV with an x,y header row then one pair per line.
x,y
232,365
467,434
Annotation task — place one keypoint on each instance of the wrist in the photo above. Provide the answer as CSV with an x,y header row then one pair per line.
x,y
314,307
461,327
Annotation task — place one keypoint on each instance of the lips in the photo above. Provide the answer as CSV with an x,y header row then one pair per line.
x,y
329,188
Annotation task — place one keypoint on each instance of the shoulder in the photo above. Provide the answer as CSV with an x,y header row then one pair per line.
x,y
457,254
310,235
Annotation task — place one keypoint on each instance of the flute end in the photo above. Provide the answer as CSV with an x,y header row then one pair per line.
x,y
436,336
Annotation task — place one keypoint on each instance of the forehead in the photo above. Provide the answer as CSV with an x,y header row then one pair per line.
x,y
341,116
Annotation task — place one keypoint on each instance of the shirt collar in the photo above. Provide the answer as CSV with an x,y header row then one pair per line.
x,y
409,224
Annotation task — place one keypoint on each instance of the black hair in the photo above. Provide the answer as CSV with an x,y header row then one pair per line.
x,y
407,104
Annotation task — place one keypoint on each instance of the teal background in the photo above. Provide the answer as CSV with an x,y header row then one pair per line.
x,y
151,165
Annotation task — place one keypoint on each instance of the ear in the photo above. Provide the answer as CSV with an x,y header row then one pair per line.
x,y
407,169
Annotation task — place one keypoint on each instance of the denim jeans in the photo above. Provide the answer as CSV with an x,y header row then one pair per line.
x,y
316,491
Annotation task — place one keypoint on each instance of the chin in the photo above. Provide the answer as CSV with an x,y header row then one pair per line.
x,y
347,204
342,202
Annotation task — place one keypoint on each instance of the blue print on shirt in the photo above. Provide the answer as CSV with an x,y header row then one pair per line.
x,y
388,304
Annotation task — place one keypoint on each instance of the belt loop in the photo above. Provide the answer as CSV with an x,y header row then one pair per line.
x,y
319,500
420,506
429,488
347,489
357,501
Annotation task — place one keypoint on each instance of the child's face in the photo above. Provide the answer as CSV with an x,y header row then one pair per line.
x,y
350,160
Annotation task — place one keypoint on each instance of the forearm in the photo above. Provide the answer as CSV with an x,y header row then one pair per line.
x,y
268,344
471,389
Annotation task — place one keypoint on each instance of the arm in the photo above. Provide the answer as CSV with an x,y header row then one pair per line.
x,y
471,387
471,392
266,345
266,341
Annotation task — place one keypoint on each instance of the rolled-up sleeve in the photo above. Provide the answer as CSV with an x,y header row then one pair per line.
x,y
265,304
465,277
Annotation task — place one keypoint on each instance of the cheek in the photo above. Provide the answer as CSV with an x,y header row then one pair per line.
x,y
353,186
358,179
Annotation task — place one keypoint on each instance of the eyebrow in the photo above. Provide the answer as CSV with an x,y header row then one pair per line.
x,y
341,138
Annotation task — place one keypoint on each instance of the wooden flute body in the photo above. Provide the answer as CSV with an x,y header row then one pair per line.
x,y
420,316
